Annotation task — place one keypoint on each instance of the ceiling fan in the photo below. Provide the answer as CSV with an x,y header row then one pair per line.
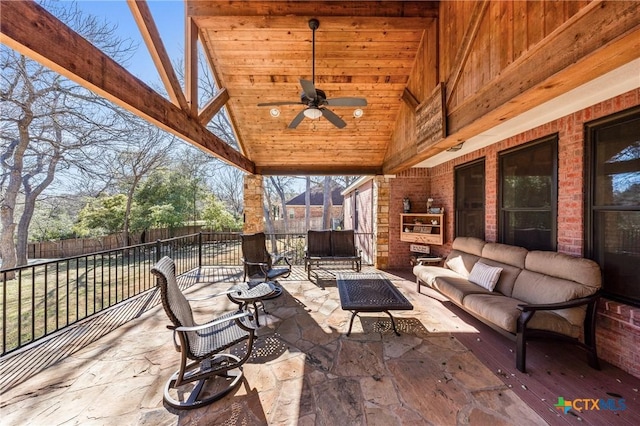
x,y
315,99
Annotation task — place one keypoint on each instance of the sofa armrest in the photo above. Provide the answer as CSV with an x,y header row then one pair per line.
x,y
532,307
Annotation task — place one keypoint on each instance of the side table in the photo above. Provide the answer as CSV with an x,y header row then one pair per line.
x,y
251,293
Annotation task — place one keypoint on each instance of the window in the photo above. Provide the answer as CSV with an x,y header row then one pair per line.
x,y
528,195
612,231
469,200
292,214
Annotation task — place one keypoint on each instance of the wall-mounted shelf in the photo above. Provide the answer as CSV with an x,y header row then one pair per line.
x,y
422,228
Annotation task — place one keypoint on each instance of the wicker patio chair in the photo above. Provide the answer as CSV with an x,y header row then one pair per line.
x,y
259,263
205,373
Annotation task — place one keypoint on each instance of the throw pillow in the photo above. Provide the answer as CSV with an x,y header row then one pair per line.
x,y
456,264
485,276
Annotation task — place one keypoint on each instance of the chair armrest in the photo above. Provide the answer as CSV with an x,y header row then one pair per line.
x,y
246,262
279,258
532,307
215,322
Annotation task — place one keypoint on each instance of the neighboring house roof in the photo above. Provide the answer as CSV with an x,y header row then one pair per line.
x,y
317,197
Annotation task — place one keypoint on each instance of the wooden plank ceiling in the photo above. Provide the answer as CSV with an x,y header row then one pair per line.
x,y
260,50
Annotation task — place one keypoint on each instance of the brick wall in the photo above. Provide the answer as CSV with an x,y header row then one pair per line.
x,y
618,325
414,184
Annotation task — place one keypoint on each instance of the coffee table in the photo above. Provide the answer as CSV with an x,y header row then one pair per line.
x,y
370,293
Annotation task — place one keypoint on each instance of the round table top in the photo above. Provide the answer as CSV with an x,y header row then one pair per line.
x,y
248,291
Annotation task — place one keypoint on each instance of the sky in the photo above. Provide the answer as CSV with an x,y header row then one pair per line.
x,y
169,18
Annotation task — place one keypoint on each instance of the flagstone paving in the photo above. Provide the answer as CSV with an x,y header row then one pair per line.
x,y
304,371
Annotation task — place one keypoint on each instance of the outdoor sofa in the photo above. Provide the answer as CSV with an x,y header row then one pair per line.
x,y
523,294
329,246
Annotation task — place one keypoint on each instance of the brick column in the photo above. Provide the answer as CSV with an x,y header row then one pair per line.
x,y
253,204
381,198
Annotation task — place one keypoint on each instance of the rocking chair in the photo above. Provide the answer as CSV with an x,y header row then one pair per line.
x,y
201,346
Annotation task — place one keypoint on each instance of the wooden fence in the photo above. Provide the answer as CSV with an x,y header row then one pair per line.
x,y
79,246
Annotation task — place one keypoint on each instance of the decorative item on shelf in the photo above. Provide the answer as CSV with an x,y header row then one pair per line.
x,y
429,203
406,205
406,229
434,222
436,210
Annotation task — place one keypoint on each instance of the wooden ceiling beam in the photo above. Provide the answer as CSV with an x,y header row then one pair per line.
x,y
191,66
151,36
31,30
327,23
213,106
317,170
311,8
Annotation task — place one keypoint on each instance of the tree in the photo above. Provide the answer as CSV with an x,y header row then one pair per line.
x,y
49,125
228,186
101,216
165,198
147,149
217,217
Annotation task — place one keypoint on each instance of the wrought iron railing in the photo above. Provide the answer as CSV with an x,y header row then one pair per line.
x,y
42,298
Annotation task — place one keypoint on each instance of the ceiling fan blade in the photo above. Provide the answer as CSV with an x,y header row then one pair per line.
x,y
333,118
296,120
347,102
280,103
308,88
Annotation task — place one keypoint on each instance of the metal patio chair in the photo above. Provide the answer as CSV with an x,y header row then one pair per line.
x,y
259,264
207,372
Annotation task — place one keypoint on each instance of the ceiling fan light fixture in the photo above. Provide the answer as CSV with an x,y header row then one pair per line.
x,y
358,112
274,112
312,113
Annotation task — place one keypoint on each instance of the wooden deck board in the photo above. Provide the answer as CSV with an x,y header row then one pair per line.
x,y
554,369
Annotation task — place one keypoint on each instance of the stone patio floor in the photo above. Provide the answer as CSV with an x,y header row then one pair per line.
x,y
304,370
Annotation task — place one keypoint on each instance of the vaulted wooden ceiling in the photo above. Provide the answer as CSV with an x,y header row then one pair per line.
x,y
260,51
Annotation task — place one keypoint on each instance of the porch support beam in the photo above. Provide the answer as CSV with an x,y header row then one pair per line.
x,y
191,66
32,31
151,36
572,55
253,204
213,106
318,170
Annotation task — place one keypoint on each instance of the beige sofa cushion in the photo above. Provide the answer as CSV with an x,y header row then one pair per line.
x,y
457,288
465,252
580,270
499,310
503,253
469,245
428,274
534,287
503,312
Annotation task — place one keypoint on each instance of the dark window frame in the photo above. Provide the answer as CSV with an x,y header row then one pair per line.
x,y
552,139
590,248
461,168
